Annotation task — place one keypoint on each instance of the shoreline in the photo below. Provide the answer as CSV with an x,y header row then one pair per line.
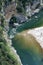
x,y
38,34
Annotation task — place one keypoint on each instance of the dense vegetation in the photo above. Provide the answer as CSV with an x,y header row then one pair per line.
x,y
7,55
5,59
21,5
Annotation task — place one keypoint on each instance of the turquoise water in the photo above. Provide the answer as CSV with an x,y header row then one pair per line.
x,y
28,56
28,59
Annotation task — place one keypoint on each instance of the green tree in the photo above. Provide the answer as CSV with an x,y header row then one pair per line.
x,y
21,5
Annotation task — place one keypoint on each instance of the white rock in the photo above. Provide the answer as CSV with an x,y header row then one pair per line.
x,y
38,34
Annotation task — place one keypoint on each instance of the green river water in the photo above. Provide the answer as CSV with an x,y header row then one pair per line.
x,y
26,58
33,23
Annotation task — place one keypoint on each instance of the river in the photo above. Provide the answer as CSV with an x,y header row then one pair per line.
x,y
26,58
